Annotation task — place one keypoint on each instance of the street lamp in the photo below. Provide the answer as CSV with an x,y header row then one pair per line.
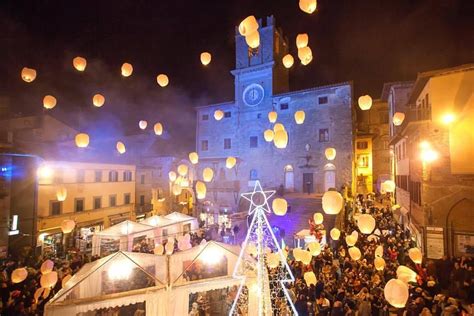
x,y
448,118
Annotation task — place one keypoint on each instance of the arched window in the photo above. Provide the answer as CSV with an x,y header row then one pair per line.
x,y
253,174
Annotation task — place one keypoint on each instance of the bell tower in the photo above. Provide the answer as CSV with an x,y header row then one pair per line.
x,y
259,73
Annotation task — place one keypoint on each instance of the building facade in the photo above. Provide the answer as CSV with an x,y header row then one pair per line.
x,y
261,86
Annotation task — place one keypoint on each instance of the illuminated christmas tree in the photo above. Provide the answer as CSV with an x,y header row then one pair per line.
x,y
263,285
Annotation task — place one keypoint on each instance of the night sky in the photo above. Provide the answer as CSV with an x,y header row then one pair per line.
x,y
367,42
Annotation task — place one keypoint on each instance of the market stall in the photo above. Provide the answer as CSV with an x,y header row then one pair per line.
x,y
182,223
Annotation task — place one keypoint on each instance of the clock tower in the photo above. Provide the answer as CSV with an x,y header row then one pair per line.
x,y
259,73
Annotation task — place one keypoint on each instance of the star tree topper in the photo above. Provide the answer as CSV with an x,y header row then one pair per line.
x,y
258,198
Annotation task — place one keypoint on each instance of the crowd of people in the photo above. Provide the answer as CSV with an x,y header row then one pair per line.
x,y
348,287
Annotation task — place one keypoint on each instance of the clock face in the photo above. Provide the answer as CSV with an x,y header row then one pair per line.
x,y
253,94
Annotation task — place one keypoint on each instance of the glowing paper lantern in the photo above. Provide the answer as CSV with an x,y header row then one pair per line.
x,y
330,153
169,248
388,186
82,140
355,253
398,118
406,274
268,135
201,190
159,250
65,280
332,202
194,158
299,117
288,61
98,100
19,275
49,102
176,189
366,223
365,102
305,55
79,63
273,260
302,40
248,26
396,293
308,6
121,147
379,251
315,248
279,206
379,263
351,240
67,226
253,40
38,293
127,70
28,74
206,58
278,127
142,124
47,266
415,255
272,116
158,129
297,253
218,115
230,162
61,193
306,257
335,233
207,174
183,170
310,278
172,176
162,80
280,139
318,218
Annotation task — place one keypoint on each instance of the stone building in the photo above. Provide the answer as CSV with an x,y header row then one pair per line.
x,y
433,156
261,86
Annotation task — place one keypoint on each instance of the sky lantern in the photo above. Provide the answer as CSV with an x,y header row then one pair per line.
x,y
183,170
406,274
80,63
253,40
279,206
396,293
207,174
308,6
299,117
272,116
176,189
310,278
47,266
158,129
205,58
306,257
288,61
230,162
159,249
379,263
415,255
330,153
28,74
218,115
332,202
315,248
169,248
98,100
379,251
142,124
162,80
280,139
49,280
121,147
302,40
305,55
49,102
365,102
248,26
268,135
194,157
19,275
61,193
351,240
82,140
172,176
273,260
366,223
278,127
398,118
201,190
318,218
355,253
388,186
127,69
335,233
67,226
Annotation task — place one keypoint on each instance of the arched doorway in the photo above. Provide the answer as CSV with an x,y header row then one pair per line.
x,y
329,176
460,228
289,179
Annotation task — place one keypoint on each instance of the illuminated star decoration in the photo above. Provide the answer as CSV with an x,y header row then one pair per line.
x,y
258,198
